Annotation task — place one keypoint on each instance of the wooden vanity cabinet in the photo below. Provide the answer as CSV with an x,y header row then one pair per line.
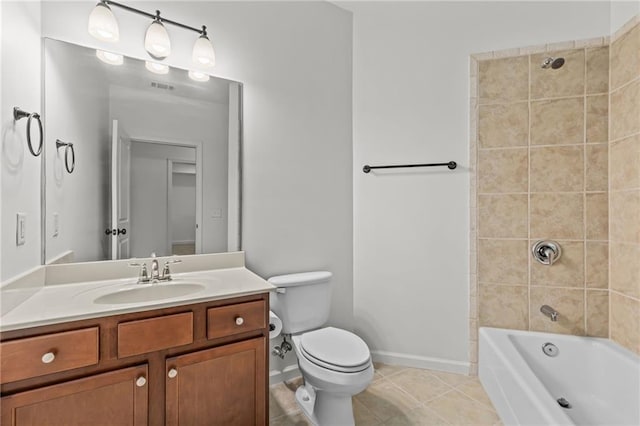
x,y
119,397
199,364
222,385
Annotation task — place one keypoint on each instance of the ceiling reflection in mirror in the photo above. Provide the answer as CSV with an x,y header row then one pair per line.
x,y
141,158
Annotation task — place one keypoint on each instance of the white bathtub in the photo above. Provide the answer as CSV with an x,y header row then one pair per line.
x,y
600,379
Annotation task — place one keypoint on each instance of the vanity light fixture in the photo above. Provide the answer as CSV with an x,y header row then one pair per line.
x,y
156,68
102,23
198,76
109,57
203,54
103,26
156,40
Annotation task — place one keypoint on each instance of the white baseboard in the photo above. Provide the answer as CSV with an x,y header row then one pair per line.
x,y
287,373
406,360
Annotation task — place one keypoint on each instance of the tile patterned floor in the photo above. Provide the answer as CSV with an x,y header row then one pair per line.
x,y
400,396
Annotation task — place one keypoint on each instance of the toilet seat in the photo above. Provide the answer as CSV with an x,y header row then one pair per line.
x,y
335,349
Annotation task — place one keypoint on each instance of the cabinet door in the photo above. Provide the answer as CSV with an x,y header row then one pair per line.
x,y
219,386
116,398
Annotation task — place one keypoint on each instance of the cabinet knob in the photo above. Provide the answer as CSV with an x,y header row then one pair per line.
x,y
239,320
48,357
172,373
141,381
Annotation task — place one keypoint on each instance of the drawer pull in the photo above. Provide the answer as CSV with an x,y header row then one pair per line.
x,y
48,357
141,381
239,320
172,373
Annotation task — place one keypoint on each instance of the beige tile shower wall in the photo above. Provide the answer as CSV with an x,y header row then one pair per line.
x,y
541,162
624,184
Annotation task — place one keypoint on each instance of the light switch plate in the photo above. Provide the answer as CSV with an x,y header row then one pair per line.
x,y
56,224
20,228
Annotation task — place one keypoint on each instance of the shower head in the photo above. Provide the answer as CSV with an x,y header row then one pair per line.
x,y
553,63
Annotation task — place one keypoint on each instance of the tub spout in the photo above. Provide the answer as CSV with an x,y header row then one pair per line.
x,y
550,312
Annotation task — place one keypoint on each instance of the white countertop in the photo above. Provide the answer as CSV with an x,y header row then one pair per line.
x,y
52,304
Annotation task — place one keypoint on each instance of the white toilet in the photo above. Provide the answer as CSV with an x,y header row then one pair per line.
x,y
335,363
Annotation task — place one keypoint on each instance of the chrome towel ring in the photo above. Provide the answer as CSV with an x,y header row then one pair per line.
x,y
68,148
19,114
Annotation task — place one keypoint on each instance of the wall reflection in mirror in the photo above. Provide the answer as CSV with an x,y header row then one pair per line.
x,y
157,158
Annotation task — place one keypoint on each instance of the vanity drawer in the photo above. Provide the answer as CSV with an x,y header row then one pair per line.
x,y
154,334
51,353
234,319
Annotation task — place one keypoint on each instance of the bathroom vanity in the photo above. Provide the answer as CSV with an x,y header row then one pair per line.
x,y
194,359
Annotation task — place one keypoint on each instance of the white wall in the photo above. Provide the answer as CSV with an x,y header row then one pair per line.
x,y
622,11
77,111
411,102
20,174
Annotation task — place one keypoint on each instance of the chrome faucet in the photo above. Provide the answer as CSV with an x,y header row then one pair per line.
x,y
550,312
156,276
155,271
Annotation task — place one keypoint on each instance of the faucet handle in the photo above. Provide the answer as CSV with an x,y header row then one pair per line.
x,y
166,272
144,275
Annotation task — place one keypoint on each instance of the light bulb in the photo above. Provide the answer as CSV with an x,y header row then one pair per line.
x,y
203,54
156,40
110,58
198,76
102,23
156,68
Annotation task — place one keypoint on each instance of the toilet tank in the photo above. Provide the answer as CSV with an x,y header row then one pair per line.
x,y
302,300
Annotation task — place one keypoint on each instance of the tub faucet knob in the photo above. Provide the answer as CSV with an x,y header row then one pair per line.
x,y
546,252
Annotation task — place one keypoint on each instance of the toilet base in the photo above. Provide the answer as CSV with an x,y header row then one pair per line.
x,y
325,409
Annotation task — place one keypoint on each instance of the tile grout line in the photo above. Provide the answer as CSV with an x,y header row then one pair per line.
x,y
584,213
549,145
476,142
540,192
621,139
623,85
529,200
545,99
569,240
609,193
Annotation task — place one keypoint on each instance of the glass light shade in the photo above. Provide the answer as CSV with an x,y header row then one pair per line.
x,y
156,41
110,58
102,24
198,76
156,68
203,54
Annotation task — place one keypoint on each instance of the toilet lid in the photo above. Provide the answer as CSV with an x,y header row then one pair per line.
x,y
335,349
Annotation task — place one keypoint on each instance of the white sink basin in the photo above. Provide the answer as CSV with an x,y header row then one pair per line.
x,y
149,292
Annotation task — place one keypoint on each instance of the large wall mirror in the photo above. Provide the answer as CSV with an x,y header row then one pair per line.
x,y
141,158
